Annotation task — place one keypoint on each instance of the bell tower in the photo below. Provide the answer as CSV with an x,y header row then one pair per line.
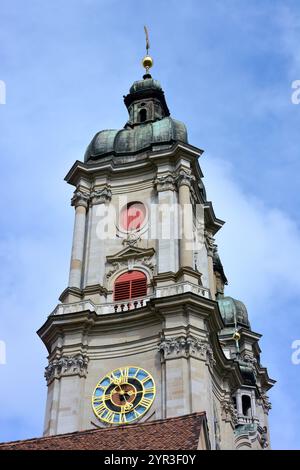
x,y
143,330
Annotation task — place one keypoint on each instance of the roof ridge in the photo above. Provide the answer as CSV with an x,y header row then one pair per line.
x,y
91,431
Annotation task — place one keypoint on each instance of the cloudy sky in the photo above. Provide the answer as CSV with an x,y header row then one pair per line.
x,y
227,68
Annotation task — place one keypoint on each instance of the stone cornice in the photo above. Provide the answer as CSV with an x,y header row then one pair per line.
x,y
109,165
155,312
212,223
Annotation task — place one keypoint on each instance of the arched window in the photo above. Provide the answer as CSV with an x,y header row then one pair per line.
x,y
246,405
143,115
130,285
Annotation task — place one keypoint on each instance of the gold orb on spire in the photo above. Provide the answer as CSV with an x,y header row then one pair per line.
x,y
147,61
236,336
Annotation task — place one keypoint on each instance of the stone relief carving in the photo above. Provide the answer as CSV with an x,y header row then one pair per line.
x,y
186,346
66,365
100,196
265,402
131,239
149,263
209,242
251,360
165,183
229,413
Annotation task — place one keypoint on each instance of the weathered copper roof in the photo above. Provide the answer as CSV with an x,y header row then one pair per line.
x,y
132,140
233,310
157,129
187,432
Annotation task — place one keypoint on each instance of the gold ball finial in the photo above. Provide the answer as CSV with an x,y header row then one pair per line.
x,y
147,62
236,336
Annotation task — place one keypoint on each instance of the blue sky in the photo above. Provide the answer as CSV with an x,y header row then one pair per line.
x,y
227,69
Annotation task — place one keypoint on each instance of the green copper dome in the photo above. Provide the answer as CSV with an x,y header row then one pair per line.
x,y
144,85
233,311
149,125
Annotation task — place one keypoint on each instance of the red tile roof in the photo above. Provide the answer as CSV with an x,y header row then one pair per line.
x,y
179,433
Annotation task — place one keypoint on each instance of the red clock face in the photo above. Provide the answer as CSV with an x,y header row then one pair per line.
x,y
133,216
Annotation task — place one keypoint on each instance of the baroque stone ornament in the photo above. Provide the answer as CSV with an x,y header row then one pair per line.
x,y
131,239
101,196
66,365
210,243
266,404
186,346
229,413
184,177
80,198
165,183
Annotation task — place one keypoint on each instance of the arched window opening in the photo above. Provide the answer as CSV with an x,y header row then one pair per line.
x,y
130,285
234,402
246,405
143,115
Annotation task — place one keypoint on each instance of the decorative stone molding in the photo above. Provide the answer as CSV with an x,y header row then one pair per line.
x,y
209,243
185,177
113,268
229,413
128,258
165,183
131,239
101,196
185,346
66,366
149,263
80,198
265,402
250,359
262,434
210,358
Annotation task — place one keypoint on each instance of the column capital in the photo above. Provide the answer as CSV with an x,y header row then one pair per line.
x,y
184,178
66,366
80,198
165,183
185,346
101,195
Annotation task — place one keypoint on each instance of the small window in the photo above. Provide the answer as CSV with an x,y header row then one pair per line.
x,y
143,115
130,285
246,405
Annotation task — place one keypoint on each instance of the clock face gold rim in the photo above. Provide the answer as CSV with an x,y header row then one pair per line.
x,y
123,395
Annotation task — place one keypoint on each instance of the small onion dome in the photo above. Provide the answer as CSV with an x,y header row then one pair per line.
x,y
233,311
147,83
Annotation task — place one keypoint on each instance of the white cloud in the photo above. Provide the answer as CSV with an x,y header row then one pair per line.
x,y
259,245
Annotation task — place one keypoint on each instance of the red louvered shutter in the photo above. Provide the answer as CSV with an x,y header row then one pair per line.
x,y
130,286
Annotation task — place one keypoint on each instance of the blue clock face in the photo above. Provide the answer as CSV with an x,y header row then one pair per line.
x,y
123,395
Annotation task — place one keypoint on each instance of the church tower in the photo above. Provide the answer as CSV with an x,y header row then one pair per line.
x,y
143,330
